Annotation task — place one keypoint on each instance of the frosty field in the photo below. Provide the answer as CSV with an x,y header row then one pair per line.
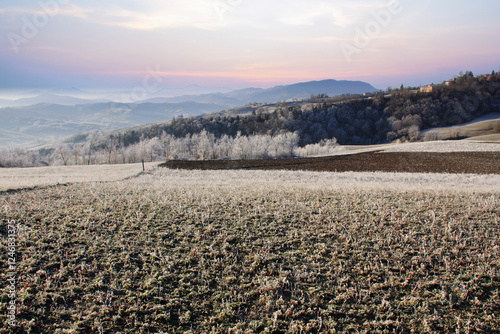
x,y
18,178
173,251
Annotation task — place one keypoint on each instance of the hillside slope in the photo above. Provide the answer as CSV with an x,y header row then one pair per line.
x,y
483,128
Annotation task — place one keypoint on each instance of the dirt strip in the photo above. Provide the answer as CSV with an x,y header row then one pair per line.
x,y
457,162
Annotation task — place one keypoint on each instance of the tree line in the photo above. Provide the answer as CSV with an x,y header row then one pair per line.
x,y
100,148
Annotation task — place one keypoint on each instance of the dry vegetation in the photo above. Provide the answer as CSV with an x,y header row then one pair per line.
x,y
257,251
454,146
19,178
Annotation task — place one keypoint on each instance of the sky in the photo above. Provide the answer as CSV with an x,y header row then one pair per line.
x,y
121,44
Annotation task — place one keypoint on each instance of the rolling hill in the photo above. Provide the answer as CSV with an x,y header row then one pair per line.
x,y
485,128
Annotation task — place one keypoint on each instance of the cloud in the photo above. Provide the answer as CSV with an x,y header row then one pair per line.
x,y
48,48
76,11
144,15
340,14
308,14
199,14
301,13
68,9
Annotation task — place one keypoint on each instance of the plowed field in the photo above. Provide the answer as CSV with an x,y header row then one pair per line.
x,y
456,162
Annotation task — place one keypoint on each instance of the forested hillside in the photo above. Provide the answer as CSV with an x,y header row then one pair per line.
x,y
383,117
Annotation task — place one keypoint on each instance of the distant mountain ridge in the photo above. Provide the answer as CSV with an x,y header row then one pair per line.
x,y
55,99
306,89
194,93
298,91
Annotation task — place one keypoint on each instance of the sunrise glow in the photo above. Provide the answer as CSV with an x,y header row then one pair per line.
x,y
236,44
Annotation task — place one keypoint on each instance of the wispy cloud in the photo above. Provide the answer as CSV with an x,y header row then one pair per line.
x,y
76,11
146,15
14,13
339,14
47,48
193,14
69,9
308,14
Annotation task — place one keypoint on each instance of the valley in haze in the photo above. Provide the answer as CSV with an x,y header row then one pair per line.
x,y
49,117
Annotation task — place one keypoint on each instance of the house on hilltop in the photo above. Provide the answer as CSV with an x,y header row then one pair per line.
x,y
426,89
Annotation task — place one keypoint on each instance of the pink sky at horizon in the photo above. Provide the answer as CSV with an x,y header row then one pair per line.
x,y
238,44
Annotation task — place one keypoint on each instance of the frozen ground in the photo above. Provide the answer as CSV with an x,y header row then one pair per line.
x,y
176,251
445,147
475,144
252,251
253,180
17,178
486,125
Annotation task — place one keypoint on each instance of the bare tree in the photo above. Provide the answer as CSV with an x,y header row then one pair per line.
x,y
93,139
166,144
75,150
110,145
414,132
64,153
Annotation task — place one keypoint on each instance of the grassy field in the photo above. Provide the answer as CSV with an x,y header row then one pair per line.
x,y
256,251
453,146
18,178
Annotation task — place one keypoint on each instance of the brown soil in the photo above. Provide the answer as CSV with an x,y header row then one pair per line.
x,y
463,162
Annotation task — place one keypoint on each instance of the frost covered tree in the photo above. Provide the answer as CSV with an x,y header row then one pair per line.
x,y
202,146
110,146
90,147
76,150
62,155
166,141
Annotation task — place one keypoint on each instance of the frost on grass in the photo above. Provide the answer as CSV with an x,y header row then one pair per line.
x,y
251,252
19,178
256,180
445,147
